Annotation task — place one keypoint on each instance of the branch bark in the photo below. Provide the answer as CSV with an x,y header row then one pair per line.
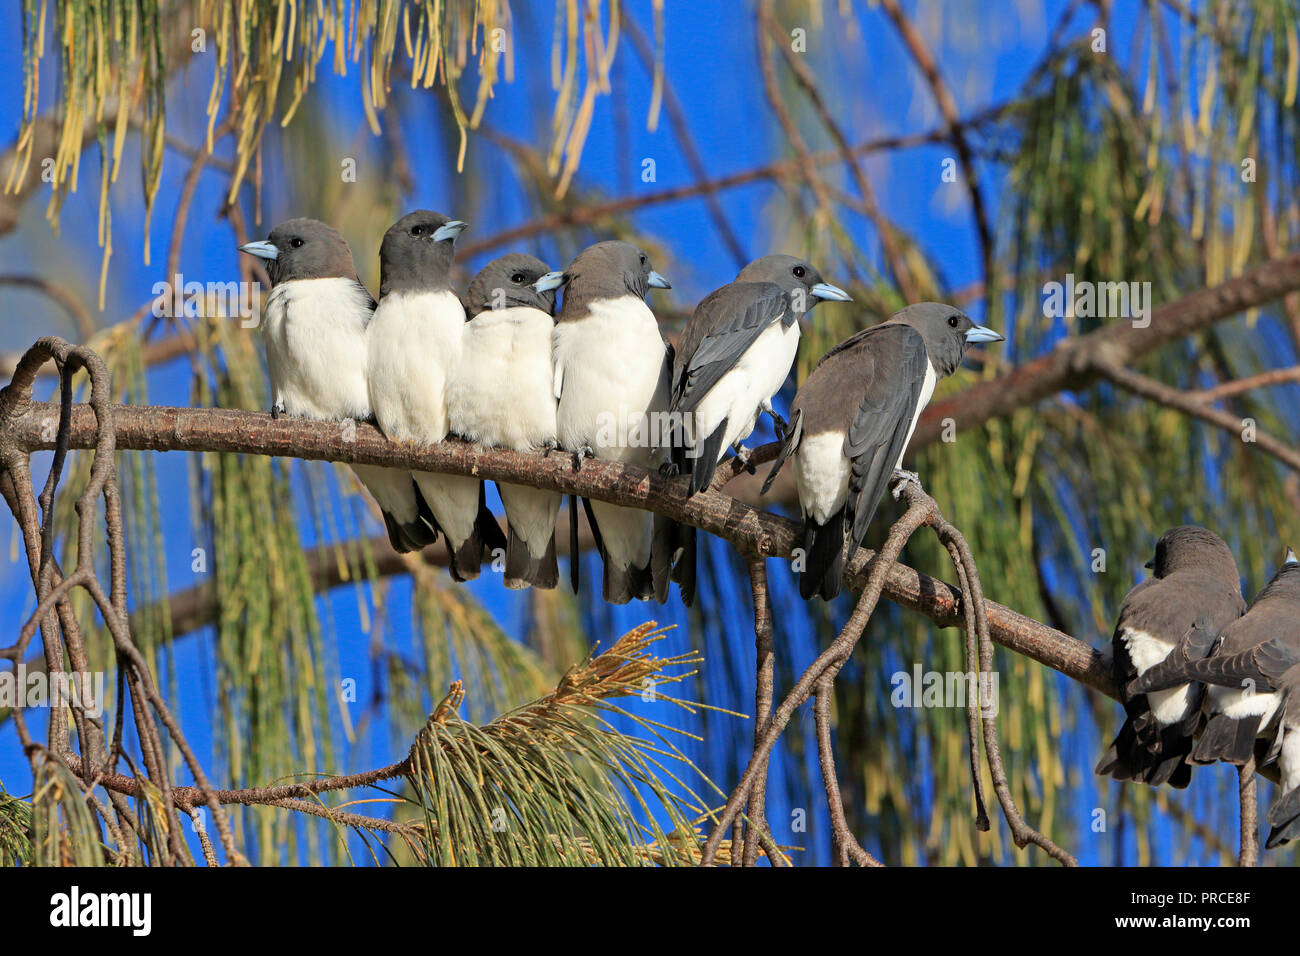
x,y
159,428
1073,363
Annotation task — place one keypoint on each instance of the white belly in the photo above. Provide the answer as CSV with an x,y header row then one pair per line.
x,y
821,475
501,391
612,380
1237,703
1288,761
315,336
739,395
415,339
927,392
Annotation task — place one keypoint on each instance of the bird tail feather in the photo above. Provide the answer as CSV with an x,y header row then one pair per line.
x,y
824,553
524,569
1227,738
1284,815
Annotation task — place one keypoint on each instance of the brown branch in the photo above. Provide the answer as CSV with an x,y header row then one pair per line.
x,y
159,428
1173,398
1072,363
1248,791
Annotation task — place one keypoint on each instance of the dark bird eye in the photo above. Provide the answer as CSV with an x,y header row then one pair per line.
x,y
295,242
799,272
417,231
643,258
518,278
953,321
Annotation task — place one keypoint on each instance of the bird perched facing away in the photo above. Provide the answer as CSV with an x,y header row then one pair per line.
x,y
501,394
732,358
314,326
612,369
851,421
416,338
1254,673
1169,620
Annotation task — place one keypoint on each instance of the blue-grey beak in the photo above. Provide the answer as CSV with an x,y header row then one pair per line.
x,y
262,249
659,282
449,230
832,293
1290,557
552,280
978,334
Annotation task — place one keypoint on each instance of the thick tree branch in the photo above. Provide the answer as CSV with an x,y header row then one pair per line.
x,y
1072,364
157,428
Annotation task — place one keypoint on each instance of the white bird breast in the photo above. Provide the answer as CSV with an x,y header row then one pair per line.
x,y
740,393
500,392
1147,650
610,373
415,340
315,336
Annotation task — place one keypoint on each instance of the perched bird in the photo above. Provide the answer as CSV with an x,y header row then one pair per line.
x,y
732,358
314,325
612,369
1254,672
735,354
416,338
1168,620
501,394
851,421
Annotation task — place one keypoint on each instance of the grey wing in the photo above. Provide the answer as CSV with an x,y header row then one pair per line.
x,y
726,324
876,437
1263,665
1179,665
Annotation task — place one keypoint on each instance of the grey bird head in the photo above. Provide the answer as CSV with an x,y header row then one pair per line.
x,y
800,280
608,270
416,253
1285,583
1191,546
303,249
509,281
946,332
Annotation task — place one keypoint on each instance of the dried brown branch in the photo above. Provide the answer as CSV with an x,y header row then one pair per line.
x,y
1072,363
1163,394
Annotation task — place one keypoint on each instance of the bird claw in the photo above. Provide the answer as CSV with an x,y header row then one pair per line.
x,y
901,478
549,446
780,426
742,458
276,411
669,469
585,451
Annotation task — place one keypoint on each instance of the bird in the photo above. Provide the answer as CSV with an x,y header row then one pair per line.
x,y
1253,670
315,327
1169,619
851,421
732,358
501,394
735,353
416,338
612,378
